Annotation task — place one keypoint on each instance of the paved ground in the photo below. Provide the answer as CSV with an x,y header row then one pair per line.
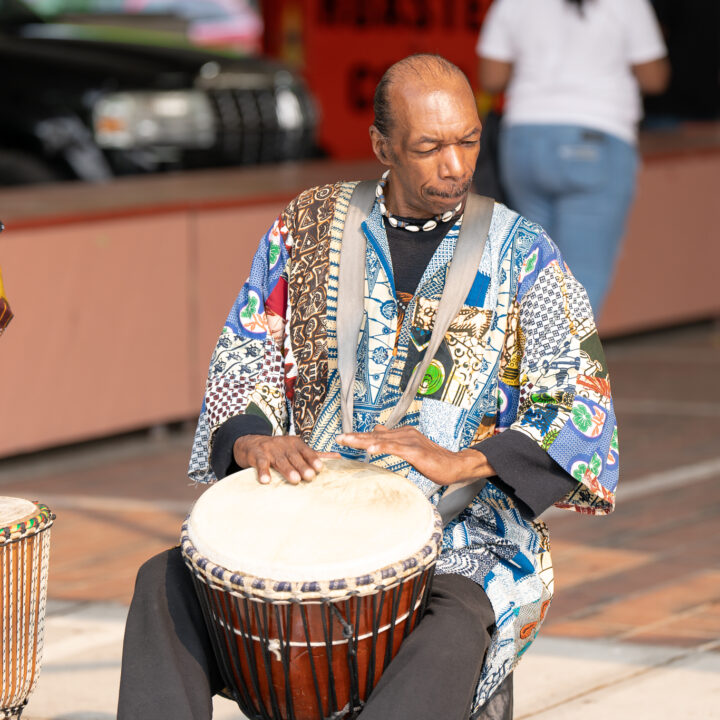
x,y
636,619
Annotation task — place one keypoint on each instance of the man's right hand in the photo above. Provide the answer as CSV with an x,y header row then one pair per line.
x,y
287,454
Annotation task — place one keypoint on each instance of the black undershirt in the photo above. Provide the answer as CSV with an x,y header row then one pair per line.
x,y
411,252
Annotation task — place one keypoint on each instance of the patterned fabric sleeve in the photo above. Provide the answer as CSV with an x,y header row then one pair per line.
x,y
247,369
554,387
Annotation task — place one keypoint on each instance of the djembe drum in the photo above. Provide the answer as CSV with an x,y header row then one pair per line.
x,y
308,590
24,555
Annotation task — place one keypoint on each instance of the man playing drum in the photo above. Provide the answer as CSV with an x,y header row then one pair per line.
x,y
516,399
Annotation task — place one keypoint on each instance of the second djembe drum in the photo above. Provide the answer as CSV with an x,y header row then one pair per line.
x,y
24,557
308,590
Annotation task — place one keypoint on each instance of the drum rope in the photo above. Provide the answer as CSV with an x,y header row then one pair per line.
x,y
248,649
294,643
348,630
13,627
22,615
216,638
414,598
32,615
265,628
389,646
330,667
235,655
5,625
377,612
352,659
286,659
313,671
250,658
37,544
45,565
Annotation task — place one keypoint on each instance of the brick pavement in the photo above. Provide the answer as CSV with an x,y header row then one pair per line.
x,y
647,574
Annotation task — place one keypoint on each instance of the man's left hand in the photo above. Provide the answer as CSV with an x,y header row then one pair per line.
x,y
442,466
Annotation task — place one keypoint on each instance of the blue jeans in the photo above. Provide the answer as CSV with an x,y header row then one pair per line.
x,y
578,184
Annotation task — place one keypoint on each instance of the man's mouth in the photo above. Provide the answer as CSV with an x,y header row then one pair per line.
x,y
451,192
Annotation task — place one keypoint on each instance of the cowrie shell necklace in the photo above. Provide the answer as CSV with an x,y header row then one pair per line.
x,y
397,223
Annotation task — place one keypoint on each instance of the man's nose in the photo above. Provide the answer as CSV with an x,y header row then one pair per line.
x,y
451,164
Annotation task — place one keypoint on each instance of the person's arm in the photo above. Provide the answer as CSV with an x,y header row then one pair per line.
x,y
653,76
435,462
244,422
496,47
646,51
494,75
554,387
525,472
246,389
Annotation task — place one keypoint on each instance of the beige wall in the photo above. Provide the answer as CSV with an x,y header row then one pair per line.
x,y
668,269
117,311
115,320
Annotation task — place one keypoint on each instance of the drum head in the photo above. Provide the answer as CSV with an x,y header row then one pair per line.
x,y
20,518
352,519
14,510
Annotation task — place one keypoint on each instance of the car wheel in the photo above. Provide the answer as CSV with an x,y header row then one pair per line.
x,y
19,168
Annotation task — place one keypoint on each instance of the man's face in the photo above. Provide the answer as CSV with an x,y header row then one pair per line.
x,y
433,146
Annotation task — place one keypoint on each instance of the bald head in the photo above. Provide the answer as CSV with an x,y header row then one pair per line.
x,y
422,72
427,133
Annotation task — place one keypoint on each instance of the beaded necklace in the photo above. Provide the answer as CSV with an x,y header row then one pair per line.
x,y
397,223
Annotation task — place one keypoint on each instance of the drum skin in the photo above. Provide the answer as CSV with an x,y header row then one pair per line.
x,y
308,647
24,557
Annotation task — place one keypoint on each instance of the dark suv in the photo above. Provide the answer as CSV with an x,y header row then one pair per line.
x,y
90,103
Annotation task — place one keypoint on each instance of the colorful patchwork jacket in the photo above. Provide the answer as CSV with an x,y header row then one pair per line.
x,y
523,356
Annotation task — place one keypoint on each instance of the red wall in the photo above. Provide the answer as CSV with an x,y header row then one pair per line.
x,y
344,46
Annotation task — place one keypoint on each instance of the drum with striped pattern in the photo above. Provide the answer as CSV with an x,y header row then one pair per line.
x,y
24,556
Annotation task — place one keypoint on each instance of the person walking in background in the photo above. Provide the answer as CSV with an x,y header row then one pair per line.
x,y
573,71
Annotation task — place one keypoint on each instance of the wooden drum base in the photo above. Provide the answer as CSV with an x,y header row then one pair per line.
x,y
316,660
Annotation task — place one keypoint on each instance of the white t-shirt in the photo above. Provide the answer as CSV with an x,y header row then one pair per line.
x,y
571,68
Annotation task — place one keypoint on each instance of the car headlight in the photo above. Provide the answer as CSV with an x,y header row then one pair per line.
x,y
289,111
140,119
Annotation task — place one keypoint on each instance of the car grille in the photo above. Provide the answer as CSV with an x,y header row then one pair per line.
x,y
248,130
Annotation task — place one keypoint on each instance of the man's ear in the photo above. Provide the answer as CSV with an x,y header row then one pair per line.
x,y
379,146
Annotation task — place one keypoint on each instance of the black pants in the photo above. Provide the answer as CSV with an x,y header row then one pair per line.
x,y
169,669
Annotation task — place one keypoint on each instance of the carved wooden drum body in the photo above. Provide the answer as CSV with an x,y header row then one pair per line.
x,y
24,558
308,590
